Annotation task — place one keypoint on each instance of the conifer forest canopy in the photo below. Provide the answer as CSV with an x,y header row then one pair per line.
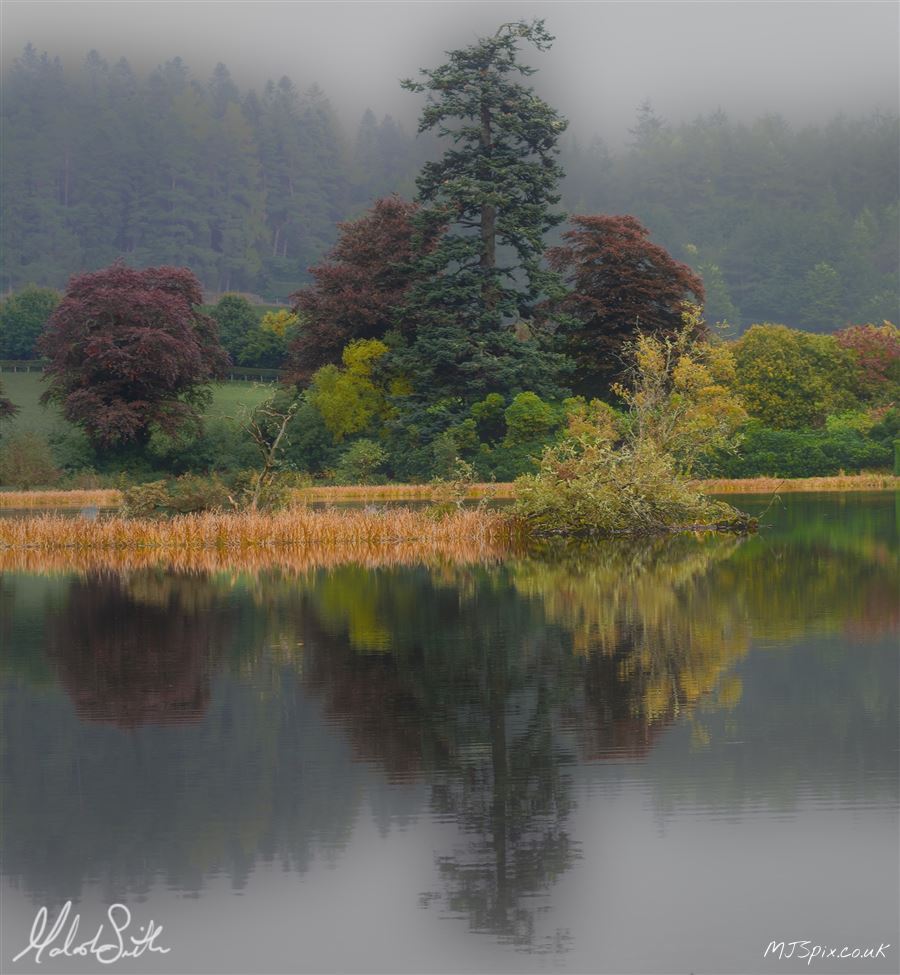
x,y
155,155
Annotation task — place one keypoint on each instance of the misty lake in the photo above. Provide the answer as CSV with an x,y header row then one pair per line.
x,y
616,757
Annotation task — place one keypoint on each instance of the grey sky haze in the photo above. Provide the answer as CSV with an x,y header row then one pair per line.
x,y
805,60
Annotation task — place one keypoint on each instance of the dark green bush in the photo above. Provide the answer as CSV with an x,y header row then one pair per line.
x,y
800,453
179,496
27,462
221,447
361,463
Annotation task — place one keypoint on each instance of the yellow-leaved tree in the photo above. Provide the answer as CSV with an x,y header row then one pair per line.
x,y
350,397
614,474
279,322
681,396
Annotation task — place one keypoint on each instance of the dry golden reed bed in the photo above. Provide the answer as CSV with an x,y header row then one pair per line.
x,y
774,485
92,497
255,537
506,490
398,492
111,498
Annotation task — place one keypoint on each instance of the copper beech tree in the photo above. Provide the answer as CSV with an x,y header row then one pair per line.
x,y
621,283
358,289
129,352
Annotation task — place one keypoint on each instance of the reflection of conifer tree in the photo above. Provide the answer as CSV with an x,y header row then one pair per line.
x,y
465,680
512,801
438,693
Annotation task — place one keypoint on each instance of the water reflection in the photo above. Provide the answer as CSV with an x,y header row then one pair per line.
x,y
137,649
188,724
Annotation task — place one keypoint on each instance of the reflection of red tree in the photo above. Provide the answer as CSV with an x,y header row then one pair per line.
x,y
378,715
878,616
609,720
624,739
127,659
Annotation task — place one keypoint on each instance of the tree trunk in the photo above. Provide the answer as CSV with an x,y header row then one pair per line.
x,y
499,764
488,216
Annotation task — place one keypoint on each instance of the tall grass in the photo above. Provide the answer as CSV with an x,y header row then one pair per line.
x,y
771,485
506,490
398,492
89,497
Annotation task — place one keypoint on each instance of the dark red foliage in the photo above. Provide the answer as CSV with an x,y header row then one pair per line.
x,y
129,350
620,282
359,288
877,352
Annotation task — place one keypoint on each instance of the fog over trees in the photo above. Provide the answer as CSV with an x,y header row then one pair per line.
x,y
775,181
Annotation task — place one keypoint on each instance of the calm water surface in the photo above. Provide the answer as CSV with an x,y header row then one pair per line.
x,y
614,758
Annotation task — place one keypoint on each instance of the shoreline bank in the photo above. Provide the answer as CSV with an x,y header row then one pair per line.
x,y
501,491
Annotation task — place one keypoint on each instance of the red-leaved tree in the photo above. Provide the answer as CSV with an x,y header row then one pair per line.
x,y
876,349
620,283
358,289
129,350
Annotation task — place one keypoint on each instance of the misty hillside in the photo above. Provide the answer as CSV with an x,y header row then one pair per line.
x,y
796,225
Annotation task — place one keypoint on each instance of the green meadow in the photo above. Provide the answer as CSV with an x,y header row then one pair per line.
x,y
25,388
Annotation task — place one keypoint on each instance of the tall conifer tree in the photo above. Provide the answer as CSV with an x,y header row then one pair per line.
x,y
494,187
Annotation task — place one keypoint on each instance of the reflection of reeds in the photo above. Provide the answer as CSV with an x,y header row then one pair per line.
x,y
287,559
295,538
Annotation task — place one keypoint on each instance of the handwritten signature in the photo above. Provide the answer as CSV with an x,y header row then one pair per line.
x,y
116,946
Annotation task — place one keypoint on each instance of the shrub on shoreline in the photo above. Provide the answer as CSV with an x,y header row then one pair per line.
x,y
613,475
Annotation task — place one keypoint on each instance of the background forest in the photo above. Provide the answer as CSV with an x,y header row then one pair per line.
x,y
413,330
793,225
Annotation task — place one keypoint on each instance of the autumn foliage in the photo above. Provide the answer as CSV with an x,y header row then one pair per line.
x,y
877,352
129,351
358,289
620,283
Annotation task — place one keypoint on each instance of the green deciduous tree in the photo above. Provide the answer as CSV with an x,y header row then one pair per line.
x,y
236,319
22,319
791,380
349,399
361,463
529,419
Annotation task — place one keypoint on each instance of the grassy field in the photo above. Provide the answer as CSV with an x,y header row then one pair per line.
x,y
25,388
